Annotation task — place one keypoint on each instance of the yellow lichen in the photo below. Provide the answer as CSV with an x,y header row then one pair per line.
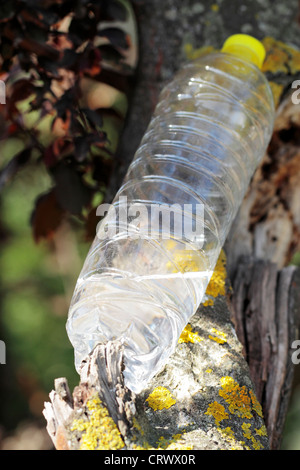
x,y
217,410
186,261
208,371
228,432
240,404
177,446
228,435
280,57
165,444
188,336
161,398
191,53
99,431
236,397
191,261
256,444
172,444
137,426
215,7
217,284
262,431
219,337
246,429
248,435
256,406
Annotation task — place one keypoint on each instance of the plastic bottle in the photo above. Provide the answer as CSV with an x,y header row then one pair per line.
x,y
208,133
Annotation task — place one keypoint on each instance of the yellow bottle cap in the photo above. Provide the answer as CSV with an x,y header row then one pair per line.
x,y
246,47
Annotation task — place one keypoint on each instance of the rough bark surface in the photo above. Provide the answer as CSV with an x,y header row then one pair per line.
x,y
266,315
203,399
223,388
231,373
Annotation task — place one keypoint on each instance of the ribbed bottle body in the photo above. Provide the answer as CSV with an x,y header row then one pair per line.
x,y
146,273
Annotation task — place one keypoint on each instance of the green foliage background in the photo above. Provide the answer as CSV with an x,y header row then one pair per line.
x,y
35,293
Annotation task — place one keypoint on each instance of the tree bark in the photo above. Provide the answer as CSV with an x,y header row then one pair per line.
x,y
228,383
266,315
219,390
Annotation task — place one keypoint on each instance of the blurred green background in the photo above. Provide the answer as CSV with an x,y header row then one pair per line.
x,y
37,281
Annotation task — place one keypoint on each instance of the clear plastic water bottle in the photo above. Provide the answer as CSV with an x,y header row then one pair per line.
x,y
155,250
